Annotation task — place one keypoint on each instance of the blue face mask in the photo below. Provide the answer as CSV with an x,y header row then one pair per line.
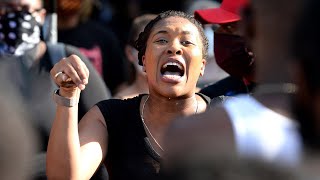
x,y
19,32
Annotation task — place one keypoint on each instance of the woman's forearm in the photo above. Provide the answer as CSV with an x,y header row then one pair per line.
x,y
64,157
63,154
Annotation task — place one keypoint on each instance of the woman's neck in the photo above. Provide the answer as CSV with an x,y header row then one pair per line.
x,y
166,109
157,113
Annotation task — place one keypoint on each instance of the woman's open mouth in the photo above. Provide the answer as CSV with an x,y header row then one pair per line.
x,y
172,71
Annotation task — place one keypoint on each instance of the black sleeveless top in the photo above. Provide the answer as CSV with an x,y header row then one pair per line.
x,y
129,155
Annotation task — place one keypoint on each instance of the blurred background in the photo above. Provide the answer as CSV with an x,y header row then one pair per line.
x,y
118,15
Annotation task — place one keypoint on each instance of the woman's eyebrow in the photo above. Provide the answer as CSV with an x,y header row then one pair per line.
x,y
166,32
186,32
160,32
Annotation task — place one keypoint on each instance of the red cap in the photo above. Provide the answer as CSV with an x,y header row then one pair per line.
x,y
229,11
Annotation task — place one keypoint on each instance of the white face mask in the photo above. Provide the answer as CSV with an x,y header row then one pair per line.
x,y
19,32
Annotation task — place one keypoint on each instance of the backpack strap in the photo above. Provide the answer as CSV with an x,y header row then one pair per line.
x,y
56,52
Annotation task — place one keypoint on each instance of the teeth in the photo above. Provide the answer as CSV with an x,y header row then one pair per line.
x,y
173,64
171,74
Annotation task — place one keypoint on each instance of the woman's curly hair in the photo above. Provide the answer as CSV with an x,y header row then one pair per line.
x,y
141,42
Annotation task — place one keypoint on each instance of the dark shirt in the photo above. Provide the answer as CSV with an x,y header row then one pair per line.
x,y
228,86
129,155
102,48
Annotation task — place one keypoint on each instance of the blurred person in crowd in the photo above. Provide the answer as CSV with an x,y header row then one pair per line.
x,y
102,11
306,102
127,135
29,58
213,72
17,140
95,41
137,83
124,11
20,40
232,53
261,125
219,162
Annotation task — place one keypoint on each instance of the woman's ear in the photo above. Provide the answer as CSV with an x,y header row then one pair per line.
x,y
144,64
203,66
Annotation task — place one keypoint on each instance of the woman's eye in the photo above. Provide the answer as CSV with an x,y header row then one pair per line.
x,y
186,43
161,41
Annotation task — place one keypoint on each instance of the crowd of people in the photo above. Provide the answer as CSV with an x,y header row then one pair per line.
x,y
103,104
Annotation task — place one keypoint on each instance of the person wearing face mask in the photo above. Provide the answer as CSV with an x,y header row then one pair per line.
x,y
231,51
28,64
19,31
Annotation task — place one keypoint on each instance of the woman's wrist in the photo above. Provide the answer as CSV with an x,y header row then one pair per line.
x,y
64,100
73,92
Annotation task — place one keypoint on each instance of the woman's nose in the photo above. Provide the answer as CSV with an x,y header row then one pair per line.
x,y
175,49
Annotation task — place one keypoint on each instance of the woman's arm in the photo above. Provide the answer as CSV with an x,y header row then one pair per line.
x,y
96,90
75,152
